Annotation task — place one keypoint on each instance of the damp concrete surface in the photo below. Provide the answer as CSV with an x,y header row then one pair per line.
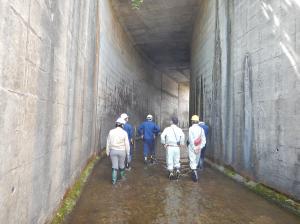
x,y
148,196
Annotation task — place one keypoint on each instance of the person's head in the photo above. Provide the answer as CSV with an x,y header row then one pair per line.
x,y
124,116
120,122
149,117
174,120
195,119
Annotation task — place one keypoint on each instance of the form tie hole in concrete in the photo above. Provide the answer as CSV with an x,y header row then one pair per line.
x,y
13,189
277,149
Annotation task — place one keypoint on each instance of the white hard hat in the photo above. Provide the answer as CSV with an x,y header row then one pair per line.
x,y
120,121
149,117
124,116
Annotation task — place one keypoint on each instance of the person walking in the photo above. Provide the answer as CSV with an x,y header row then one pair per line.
x,y
148,130
196,141
206,129
117,147
172,138
128,128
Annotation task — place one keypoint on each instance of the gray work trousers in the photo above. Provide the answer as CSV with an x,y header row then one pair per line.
x,y
117,158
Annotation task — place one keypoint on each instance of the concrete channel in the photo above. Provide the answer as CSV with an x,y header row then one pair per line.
x,y
148,196
69,68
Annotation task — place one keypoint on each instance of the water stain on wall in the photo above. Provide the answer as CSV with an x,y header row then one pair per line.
x,y
248,123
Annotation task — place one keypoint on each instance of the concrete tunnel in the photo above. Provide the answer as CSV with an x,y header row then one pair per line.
x,y
69,68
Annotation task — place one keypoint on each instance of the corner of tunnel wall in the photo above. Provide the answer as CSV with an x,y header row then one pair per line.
x,y
239,57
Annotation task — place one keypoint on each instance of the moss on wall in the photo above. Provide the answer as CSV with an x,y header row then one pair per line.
x,y
74,193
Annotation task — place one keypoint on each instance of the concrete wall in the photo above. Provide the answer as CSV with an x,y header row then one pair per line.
x,y
128,81
183,104
47,51
245,64
67,70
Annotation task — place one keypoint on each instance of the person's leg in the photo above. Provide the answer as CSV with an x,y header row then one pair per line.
x,y
121,160
128,160
176,159
201,160
131,151
170,165
192,158
152,150
115,165
146,150
193,164
203,153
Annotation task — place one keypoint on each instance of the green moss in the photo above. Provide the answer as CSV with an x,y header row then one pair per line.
x,y
73,194
277,197
268,193
229,172
136,4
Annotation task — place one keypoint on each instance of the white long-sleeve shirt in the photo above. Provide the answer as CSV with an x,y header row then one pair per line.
x,y
171,135
194,132
118,140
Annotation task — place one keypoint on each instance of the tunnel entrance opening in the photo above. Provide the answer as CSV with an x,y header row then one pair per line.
x,y
162,32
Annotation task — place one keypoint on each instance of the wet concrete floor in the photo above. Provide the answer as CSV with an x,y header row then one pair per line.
x,y
147,196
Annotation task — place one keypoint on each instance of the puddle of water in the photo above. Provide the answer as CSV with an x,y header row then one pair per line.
x,y
147,196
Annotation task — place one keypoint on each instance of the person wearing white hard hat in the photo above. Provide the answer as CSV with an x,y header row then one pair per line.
x,y
117,147
128,128
148,130
196,141
173,138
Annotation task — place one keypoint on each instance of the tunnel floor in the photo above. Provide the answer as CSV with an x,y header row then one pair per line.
x,y
147,196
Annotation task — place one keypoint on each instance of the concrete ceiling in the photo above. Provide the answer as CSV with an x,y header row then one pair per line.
x,y
162,29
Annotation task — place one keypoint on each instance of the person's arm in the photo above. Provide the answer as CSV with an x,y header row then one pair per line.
x,y
127,146
163,137
156,129
108,144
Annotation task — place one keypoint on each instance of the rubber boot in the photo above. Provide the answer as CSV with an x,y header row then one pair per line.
x,y
114,175
171,175
145,161
177,174
200,164
194,175
122,174
128,167
153,160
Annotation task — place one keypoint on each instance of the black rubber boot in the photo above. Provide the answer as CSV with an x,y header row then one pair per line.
x,y
194,175
177,174
152,160
128,167
171,175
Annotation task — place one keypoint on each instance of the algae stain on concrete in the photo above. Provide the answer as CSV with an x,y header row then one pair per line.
x,y
74,193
